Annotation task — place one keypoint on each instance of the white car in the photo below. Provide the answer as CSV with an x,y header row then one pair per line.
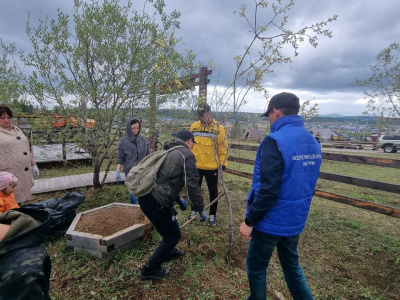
x,y
389,143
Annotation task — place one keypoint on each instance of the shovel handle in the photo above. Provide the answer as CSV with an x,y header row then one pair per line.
x,y
197,214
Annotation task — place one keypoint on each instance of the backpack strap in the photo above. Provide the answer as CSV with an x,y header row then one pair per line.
x,y
184,166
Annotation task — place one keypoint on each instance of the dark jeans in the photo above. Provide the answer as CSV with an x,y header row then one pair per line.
x,y
211,177
259,253
164,221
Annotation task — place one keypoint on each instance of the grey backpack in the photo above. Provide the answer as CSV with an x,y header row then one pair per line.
x,y
142,178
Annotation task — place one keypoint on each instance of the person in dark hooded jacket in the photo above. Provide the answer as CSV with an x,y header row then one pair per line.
x,y
178,170
25,266
132,148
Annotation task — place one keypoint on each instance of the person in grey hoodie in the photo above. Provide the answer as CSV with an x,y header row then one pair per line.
x,y
132,148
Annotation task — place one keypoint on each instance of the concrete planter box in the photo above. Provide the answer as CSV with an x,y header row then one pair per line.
x,y
105,247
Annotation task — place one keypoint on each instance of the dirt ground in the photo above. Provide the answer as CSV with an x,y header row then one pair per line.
x,y
111,219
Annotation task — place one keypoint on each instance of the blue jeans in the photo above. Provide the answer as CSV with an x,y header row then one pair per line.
x,y
259,253
132,198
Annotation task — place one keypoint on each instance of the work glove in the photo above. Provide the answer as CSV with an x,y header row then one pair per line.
x,y
35,171
182,204
118,176
203,215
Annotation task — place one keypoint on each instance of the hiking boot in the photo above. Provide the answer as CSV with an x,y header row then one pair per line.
x,y
156,274
212,221
175,254
193,213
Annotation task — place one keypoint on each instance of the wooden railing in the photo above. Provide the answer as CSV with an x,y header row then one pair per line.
x,y
357,145
382,186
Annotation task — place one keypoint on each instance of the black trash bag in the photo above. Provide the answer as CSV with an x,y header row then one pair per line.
x,y
62,212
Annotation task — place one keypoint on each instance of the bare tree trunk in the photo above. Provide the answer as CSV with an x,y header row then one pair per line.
x,y
152,120
96,174
228,254
228,200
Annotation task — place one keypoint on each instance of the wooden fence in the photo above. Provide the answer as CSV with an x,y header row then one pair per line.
x,y
355,145
382,186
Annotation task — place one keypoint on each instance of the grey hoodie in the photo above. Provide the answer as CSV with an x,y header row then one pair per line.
x,y
132,149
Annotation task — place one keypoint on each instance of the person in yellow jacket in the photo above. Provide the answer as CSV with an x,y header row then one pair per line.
x,y
206,132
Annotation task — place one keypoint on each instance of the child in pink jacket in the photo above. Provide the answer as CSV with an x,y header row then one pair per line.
x,y
8,182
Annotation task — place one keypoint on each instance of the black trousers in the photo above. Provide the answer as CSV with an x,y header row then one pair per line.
x,y
211,177
164,221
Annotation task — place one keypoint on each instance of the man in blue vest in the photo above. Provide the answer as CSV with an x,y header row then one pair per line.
x,y
285,173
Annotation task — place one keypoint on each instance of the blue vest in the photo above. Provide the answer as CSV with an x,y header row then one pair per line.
x,y
302,160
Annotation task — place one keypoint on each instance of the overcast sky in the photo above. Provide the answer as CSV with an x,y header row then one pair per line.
x,y
213,32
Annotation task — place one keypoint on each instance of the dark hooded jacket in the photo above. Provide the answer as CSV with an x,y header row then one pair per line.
x,y
132,149
24,264
178,169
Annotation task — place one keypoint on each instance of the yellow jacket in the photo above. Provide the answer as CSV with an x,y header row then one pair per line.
x,y
203,150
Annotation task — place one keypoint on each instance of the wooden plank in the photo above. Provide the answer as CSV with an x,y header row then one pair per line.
x,y
125,236
87,179
96,254
382,209
381,162
376,185
95,242
75,181
77,241
62,182
244,147
44,186
85,240
38,186
239,173
70,182
111,254
72,227
241,160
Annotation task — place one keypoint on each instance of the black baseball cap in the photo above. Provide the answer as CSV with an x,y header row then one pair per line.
x,y
185,135
282,100
202,109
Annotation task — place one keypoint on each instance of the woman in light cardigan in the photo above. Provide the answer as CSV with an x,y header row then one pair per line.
x,y
15,156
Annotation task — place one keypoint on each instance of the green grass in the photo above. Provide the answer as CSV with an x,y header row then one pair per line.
x,y
346,252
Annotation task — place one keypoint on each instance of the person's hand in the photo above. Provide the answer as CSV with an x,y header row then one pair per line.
x,y
245,231
118,176
182,204
35,171
3,231
203,215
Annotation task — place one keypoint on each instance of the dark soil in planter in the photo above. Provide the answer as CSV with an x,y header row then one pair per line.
x,y
111,219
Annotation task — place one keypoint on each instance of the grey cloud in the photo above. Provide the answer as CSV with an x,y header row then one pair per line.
x,y
213,32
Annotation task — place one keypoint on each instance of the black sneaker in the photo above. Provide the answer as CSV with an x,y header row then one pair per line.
x,y
157,274
175,254
212,221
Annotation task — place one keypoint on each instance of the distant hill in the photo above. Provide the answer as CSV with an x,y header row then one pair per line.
x,y
334,115
340,118
246,116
